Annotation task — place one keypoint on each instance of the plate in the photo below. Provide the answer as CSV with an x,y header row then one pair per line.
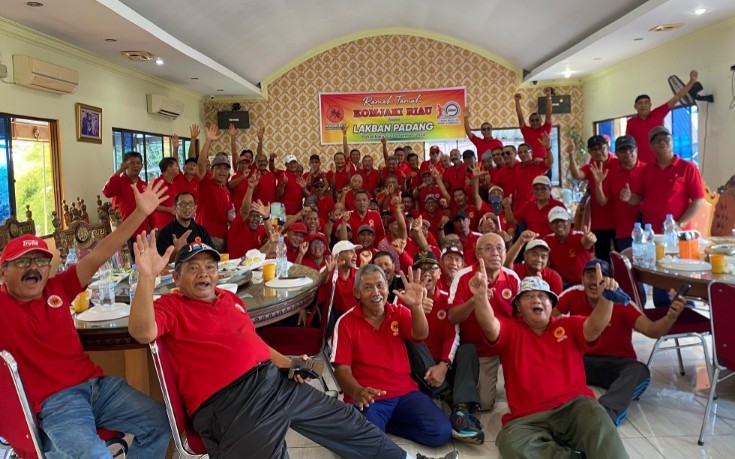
x,y
289,283
680,264
229,287
97,314
230,264
725,249
116,278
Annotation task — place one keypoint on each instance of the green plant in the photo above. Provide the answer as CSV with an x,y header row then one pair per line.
x,y
580,151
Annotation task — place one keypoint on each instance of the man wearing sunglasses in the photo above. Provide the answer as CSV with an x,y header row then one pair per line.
x,y
534,130
487,142
67,392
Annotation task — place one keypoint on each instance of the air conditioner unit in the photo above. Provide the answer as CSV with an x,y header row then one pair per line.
x,y
44,76
165,106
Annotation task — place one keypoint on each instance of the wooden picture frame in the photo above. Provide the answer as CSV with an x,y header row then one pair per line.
x,y
89,123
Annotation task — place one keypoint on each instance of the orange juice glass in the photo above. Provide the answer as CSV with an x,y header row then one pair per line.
x,y
224,257
718,263
660,251
269,271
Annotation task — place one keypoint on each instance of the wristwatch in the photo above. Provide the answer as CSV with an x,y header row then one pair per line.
x,y
448,363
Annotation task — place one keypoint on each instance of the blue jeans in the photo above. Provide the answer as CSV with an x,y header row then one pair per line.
x,y
69,420
414,416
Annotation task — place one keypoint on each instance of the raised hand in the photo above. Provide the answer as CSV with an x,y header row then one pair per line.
x,y
346,215
366,257
467,112
528,235
174,142
232,130
625,193
547,92
330,262
260,133
517,97
588,236
147,259
598,172
399,244
302,183
343,128
365,396
693,76
261,208
212,133
152,197
194,131
383,140
443,202
444,220
180,242
273,235
604,282
507,201
427,304
414,293
477,171
478,283
545,140
253,179
395,201
303,248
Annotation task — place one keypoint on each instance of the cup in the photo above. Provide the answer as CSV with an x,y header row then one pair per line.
x,y
81,302
660,251
224,257
689,249
269,271
717,260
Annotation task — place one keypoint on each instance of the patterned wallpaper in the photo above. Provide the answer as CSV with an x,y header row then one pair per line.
x,y
382,63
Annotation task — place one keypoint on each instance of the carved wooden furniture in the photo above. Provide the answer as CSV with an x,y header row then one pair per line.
x,y
12,228
723,220
79,233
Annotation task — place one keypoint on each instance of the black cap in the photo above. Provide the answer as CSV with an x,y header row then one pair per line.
x,y
460,214
604,266
625,141
656,131
596,140
188,251
468,154
453,249
422,258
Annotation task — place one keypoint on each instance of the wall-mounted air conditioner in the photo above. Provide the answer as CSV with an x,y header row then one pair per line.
x,y
44,76
165,106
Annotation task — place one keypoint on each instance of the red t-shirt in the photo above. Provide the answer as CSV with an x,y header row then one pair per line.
x,y
265,191
617,338
370,179
240,238
504,289
425,165
424,192
668,191
455,177
293,194
378,358
434,220
344,298
549,275
237,194
639,128
339,179
158,218
483,145
625,214
533,137
214,206
397,173
324,206
537,219
44,341
542,372
523,182
569,257
602,217
504,177
443,339
371,218
203,336
118,189
350,200
469,247
190,186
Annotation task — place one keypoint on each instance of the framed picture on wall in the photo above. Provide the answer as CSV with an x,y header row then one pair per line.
x,y
89,123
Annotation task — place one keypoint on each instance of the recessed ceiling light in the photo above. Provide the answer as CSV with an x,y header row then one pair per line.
x,y
159,61
597,59
666,27
567,73
220,90
700,11
638,39
194,78
137,55
34,4
110,40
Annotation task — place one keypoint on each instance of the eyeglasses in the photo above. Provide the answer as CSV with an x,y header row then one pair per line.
x,y
427,268
186,205
507,153
25,262
492,249
434,153
661,139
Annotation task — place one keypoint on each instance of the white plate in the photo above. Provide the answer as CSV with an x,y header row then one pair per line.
x,y
97,313
229,287
681,264
289,283
230,264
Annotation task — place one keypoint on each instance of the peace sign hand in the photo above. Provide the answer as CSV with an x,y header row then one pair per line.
x,y
588,236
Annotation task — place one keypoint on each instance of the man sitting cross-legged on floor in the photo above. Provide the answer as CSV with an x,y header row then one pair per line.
x,y
611,363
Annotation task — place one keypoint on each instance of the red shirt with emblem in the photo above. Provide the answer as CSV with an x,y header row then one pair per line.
x,y
202,336
484,145
533,137
601,217
237,194
639,128
265,191
549,275
537,219
340,179
617,338
455,177
190,186
41,336
504,177
469,247
434,220
350,199
432,190
378,358
293,194
214,206
542,372
504,289
370,179
240,238
344,298
523,182
569,257
443,338
118,189
159,219
625,214
371,218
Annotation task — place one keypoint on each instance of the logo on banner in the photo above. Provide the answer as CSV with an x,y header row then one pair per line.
x,y
450,110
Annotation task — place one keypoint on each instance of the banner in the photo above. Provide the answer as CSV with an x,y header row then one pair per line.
x,y
423,115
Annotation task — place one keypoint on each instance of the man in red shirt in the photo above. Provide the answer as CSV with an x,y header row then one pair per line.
x,y
339,178
164,214
504,177
534,213
435,155
188,180
231,382
238,183
451,263
370,175
670,185
487,142
569,250
538,350
534,130
504,284
527,171
611,362
435,216
455,175
463,229
362,216
68,394
292,188
371,362
213,192
535,260
645,119
249,230
266,191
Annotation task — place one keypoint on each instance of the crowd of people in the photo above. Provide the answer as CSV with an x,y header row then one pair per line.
x,y
444,269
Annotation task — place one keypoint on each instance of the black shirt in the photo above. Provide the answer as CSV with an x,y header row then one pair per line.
x,y
165,236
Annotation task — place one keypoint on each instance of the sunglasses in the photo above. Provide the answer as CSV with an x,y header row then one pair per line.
x,y
25,262
507,153
434,153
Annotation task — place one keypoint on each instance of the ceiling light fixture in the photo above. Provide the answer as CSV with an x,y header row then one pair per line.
x,y
159,61
700,11
666,27
110,40
34,4
137,55
567,73
597,59
194,78
638,39
220,90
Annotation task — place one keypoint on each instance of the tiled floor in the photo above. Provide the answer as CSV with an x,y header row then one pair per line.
x,y
664,423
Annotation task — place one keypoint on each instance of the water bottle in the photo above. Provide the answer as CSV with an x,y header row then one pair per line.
x,y
671,238
281,259
639,248
133,280
107,286
650,243
71,259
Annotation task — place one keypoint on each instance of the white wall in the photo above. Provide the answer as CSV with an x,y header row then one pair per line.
x,y
611,92
85,167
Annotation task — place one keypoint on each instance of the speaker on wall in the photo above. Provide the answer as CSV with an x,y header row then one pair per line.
x,y
559,104
241,120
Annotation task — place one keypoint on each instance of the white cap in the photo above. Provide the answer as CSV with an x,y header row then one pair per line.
x,y
533,283
290,158
493,188
559,213
343,246
543,180
532,244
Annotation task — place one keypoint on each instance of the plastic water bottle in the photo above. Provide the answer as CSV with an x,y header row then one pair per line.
x,y
281,259
133,279
639,248
671,239
71,259
650,243
107,286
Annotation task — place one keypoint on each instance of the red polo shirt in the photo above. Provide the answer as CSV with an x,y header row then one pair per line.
x,y
397,172
537,218
370,179
505,179
293,194
265,191
625,214
378,358
523,182
118,189
617,338
190,186
43,339
426,191
469,247
344,298
350,199
504,289
443,338
668,191
549,275
434,220
214,206
542,372
238,193
639,128
211,344
455,177
371,218
483,145
158,218
602,217
569,257
240,238
533,137
425,165
339,179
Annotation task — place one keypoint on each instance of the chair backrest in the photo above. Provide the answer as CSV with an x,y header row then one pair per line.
x,y
582,215
723,220
625,277
12,227
79,234
702,220
722,317
187,441
17,424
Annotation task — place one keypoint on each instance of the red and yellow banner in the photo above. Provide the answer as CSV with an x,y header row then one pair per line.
x,y
423,115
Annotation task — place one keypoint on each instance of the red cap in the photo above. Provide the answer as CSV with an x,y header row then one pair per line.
x,y
319,236
22,245
298,227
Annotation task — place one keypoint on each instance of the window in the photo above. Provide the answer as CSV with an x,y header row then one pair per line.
x,y
29,170
683,122
153,147
509,136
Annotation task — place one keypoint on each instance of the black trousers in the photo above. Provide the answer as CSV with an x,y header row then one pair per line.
x,y
462,377
250,417
624,379
603,246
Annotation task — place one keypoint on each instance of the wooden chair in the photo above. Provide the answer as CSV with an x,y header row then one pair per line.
x,y
79,233
582,215
12,228
723,219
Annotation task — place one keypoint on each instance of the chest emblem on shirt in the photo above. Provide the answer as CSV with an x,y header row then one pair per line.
x,y
560,334
371,222
55,301
507,294
441,314
394,327
240,308
572,253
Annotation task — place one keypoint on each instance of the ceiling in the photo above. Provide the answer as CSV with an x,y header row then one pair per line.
x,y
230,46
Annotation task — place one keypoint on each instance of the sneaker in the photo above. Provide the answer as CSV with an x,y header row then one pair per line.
x,y
466,427
452,455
